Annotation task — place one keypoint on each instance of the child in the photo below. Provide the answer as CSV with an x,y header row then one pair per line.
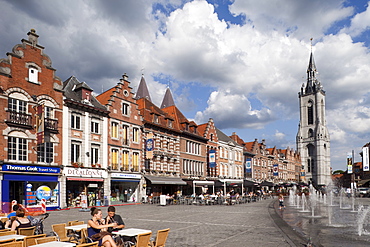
x,y
281,201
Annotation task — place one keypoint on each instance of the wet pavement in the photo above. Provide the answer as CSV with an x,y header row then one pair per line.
x,y
331,224
251,224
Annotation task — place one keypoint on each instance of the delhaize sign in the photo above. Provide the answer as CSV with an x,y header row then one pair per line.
x,y
86,173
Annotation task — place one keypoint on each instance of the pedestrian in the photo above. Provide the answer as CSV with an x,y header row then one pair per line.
x,y
281,201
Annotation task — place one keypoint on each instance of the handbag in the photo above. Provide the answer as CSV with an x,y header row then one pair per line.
x,y
98,236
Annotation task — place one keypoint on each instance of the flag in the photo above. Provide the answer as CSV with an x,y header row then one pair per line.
x,y
365,158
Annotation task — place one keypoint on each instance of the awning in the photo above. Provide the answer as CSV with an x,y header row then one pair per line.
x,y
248,183
125,180
267,183
165,180
362,182
203,182
85,179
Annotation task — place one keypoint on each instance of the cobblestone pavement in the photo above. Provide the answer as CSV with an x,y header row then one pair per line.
x,y
251,224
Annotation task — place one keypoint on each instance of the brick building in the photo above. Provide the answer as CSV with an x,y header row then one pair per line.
x,y
31,100
125,143
161,134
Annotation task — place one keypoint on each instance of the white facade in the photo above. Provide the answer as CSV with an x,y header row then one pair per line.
x,y
313,140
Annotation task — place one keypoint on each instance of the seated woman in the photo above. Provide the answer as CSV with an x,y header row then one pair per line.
x,y
98,229
20,221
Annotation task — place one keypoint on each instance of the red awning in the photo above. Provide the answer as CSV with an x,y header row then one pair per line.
x,y
85,179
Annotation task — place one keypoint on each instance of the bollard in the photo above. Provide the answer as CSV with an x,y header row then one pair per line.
x,y
43,205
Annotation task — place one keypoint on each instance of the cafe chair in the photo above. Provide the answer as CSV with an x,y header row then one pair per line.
x,y
59,230
94,244
8,233
143,240
28,231
75,222
13,244
73,234
31,240
161,238
45,239
5,230
4,241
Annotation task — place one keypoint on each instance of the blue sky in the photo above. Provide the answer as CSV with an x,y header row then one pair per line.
x,y
239,62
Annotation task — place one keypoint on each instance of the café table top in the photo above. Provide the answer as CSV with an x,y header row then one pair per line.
x,y
16,236
55,244
131,232
77,227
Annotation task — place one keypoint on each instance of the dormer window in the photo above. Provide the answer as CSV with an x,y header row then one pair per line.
x,y
33,75
169,123
155,118
186,126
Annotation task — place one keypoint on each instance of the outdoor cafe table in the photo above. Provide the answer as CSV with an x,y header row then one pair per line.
x,y
55,244
131,232
16,236
77,227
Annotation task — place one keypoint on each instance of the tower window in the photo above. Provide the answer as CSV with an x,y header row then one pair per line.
x,y
310,112
310,133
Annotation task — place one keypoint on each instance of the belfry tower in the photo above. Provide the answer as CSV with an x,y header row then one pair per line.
x,y
313,141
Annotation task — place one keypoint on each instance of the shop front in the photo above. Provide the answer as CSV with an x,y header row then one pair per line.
x,y
125,187
85,187
156,186
29,185
230,185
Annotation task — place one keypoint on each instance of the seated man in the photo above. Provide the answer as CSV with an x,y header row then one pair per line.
x,y
115,218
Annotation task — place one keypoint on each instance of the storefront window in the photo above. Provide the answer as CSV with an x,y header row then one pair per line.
x,y
36,191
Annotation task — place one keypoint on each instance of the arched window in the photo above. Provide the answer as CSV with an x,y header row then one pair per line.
x,y
310,133
310,112
310,158
17,146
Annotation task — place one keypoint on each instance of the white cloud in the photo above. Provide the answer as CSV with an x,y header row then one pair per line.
x,y
233,111
302,19
359,23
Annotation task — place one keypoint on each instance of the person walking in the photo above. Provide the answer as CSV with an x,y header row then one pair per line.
x,y
281,201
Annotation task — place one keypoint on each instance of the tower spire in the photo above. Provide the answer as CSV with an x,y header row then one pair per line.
x,y
142,91
167,99
311,76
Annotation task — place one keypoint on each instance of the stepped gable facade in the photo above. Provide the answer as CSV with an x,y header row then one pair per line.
x,y
31,99
208,131
125,142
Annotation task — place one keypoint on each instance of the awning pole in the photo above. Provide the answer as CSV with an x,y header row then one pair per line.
x,y
225,190
194,188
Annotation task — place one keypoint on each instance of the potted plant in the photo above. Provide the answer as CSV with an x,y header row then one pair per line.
x,y
75,164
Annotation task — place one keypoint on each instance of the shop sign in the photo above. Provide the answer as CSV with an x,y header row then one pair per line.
x,y
39,169
80,172
43,192
126,176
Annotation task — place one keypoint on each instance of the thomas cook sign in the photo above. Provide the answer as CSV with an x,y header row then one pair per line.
x,y
89,173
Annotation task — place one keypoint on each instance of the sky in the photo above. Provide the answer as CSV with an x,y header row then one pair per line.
x,y
241,62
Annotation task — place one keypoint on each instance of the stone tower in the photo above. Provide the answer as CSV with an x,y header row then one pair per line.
x,y
313,141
